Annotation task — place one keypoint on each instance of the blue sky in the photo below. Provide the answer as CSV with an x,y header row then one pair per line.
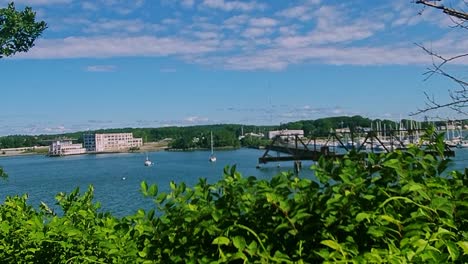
x,y
149,63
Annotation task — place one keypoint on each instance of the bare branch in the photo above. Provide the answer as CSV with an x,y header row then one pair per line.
x,y
433,105
459,96
449,11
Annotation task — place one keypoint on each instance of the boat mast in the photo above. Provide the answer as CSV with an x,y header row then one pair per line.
x,y
211,142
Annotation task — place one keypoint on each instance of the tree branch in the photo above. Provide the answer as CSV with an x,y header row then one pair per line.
x,y
449,11
457,105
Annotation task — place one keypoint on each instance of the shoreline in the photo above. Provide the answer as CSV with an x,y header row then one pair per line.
x,y
147,147
196,149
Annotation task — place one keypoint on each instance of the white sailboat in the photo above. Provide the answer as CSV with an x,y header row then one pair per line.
x,y
148,162
212,156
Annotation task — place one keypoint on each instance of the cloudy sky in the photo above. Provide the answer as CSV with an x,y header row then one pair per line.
x,y
152,63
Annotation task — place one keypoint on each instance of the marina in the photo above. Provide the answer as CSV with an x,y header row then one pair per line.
x,y
294,147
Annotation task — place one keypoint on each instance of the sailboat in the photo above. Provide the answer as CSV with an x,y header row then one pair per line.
x,y
148,162
212,156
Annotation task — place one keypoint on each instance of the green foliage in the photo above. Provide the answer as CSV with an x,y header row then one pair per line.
x,y
18,30
19,141
254,142
400,207
199,138
224,135
321,127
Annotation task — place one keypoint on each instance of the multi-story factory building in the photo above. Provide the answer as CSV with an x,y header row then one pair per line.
x,y
110,142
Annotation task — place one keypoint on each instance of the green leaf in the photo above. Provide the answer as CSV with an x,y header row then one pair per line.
x,y
332,244
144,188
216,215
453,250
281,227
369,197
361,216
376,232
463,245
420,244
153,190
221,241
252,247
239,242
389,219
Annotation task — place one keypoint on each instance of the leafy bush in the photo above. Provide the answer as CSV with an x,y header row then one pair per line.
x,y
400,207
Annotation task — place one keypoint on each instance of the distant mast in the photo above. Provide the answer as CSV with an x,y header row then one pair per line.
x,y
212,156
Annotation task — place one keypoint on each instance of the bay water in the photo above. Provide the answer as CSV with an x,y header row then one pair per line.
x,y
116,177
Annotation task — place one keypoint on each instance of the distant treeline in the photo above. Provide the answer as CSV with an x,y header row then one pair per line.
x,y
322,127
224,135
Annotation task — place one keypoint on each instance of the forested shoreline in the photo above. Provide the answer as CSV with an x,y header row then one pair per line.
x,y
224,134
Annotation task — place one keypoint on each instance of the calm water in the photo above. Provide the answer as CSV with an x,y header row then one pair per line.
x,y
43,177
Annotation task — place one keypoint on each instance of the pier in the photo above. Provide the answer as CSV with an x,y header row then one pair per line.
x,y
294,148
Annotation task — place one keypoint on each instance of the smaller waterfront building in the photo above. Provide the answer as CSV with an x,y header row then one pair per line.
x,y
65,147
108,142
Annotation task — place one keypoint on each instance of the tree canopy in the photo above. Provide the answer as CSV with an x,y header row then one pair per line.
x,y
18,30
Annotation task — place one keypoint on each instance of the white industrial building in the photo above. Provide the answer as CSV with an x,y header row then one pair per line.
x,y
110,142
65,147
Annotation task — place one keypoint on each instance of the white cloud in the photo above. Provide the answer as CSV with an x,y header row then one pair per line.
x,y
170,21
254,32
290,30
105,47
279,58
37,2
196,119
89,6
235,22
187,3
408,17
308,112
229,5
132,26
263,22
122,7
101,68
335,35
206,35
301,12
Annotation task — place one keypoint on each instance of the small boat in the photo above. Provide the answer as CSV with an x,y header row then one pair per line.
x,y
212,156
462,144
148,162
